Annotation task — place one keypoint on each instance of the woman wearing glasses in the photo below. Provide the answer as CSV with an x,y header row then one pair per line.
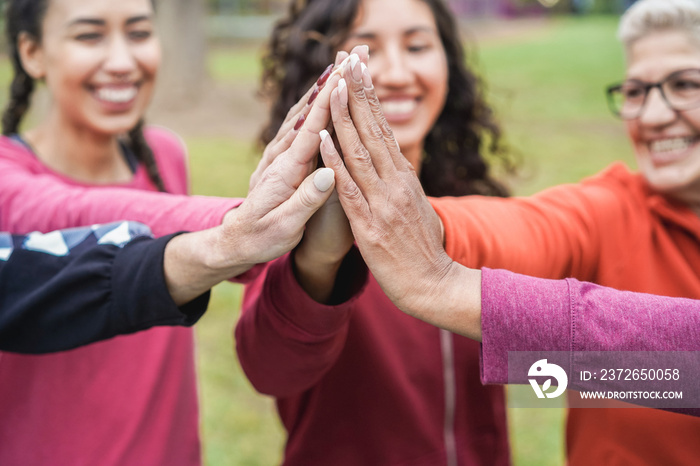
x,y
631,231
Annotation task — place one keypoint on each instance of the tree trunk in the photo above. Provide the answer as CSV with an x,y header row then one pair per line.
x,y
181,25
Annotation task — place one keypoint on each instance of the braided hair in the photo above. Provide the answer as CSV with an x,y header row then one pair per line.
x,y
304,42
27,16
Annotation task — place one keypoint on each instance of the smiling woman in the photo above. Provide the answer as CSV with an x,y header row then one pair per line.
x,y
356,382
99,62
131,400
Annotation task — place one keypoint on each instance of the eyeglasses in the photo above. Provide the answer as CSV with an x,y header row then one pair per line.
x,y
680,90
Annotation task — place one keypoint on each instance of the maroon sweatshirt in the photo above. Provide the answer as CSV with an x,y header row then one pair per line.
x,y
362,383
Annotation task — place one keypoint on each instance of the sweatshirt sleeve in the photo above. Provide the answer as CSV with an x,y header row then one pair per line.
x,y
36,201
554,234
73,289
521,313
286,341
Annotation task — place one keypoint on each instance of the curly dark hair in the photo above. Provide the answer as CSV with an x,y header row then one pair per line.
x,y
27,16
304,43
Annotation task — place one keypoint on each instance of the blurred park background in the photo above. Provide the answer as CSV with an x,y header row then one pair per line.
x,y
545,62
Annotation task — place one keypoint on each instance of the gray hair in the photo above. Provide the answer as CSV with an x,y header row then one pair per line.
x,y
647,16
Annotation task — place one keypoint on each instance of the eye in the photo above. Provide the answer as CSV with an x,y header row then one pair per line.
x,y
417,48
89,37
682,85
140,35
632,92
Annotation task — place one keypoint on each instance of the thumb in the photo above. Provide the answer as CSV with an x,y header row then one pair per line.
x,y
310,196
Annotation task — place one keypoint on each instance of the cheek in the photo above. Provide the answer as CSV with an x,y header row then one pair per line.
x,y
633,131
434,73
70,65
435,77
149,58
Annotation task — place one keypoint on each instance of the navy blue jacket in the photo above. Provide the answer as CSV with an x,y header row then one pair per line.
x,y
68,288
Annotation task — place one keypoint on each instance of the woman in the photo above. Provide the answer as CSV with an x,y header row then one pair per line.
x,y
636,232
131,400
356,381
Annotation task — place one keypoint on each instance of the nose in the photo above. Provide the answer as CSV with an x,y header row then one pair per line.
x,y
656,111
120,58
392,68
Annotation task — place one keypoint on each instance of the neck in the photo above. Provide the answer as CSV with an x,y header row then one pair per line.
x,y
689,196
78,152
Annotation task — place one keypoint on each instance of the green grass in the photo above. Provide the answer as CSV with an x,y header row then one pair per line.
x,y
243,64
548,91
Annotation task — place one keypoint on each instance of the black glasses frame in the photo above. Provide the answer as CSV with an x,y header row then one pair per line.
x,y
612,89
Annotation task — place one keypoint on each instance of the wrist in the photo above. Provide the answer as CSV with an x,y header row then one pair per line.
x,y
452,300
308,256
316,277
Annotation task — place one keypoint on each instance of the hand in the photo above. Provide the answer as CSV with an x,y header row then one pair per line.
x,y
292,123
328,237
269,223
271,220
398,232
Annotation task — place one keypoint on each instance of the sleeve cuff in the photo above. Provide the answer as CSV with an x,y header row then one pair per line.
x,y
520,313
291,301
141,296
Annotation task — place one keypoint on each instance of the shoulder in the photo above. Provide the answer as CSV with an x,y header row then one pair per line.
x,y
12,148
164,142
14,153
170,154
616,184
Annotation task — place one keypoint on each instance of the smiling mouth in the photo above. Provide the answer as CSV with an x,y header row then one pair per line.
x,y
399,108
116,95
669,150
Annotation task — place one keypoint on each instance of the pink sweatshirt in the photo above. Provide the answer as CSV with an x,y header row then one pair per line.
x,y
521,313
131,400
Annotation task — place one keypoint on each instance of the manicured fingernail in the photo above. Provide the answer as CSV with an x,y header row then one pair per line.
x,y
366,78
342,92
324,76
326,141
300,122
356,71
313,96
323,179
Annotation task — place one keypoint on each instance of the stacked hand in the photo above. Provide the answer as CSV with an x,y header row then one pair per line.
x,y
378,202
285,192
395,227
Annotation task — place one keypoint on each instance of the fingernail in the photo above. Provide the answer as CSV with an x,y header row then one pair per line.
x,y
366,78
342,92
323,179
313,96
324,76
356,71
326,141
300,122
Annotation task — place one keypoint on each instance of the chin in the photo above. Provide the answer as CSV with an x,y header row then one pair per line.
x,y
117,127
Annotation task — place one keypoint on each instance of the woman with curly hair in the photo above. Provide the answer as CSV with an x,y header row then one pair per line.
x,y
356,380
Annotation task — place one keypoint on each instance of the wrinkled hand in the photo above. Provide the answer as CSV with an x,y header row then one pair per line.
x,y
328,237
271,221
398,232
292,123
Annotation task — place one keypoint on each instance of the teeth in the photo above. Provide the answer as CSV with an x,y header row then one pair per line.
x,y
398,107
671,145
116,95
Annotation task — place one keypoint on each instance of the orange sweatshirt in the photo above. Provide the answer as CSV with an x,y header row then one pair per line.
x,y
610,229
